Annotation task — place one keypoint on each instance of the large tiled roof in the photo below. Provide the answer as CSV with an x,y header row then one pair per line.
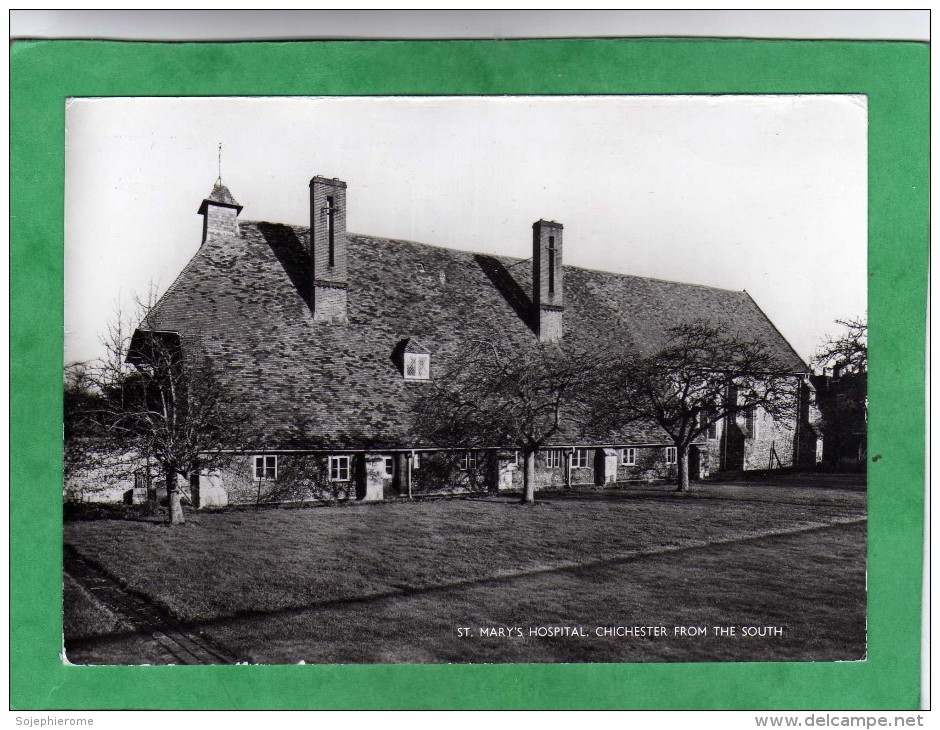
x,y
243,300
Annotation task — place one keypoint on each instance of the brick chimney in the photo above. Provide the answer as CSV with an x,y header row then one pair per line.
x,y
219,213
328,248
547,280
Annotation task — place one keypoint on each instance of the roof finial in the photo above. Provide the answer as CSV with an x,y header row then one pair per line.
x,y
220,162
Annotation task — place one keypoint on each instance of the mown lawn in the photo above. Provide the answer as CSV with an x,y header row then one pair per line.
x,y
393,582
95,635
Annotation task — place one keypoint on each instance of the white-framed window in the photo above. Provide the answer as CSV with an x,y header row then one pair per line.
x,y
580,459
266,467
417,366
671,455
628,457
553,459
389,466
468,461
416,461
339,468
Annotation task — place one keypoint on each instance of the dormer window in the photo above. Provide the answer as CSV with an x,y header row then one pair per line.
x,y
412,360
417,366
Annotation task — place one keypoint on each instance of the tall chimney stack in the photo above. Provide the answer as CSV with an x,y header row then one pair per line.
x,y
547,279
328,249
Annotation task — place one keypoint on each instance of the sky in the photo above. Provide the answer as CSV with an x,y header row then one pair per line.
x,y
763,193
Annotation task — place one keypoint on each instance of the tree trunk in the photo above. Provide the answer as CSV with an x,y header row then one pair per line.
x,y
528,477
682,460
173,498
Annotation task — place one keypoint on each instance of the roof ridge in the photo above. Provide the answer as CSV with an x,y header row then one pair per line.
x,y
516,259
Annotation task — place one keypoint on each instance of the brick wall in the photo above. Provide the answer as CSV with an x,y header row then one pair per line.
x,y
219,222
328,248
548,279
329,303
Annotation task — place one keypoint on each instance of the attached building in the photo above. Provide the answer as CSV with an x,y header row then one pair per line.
x,y
327,335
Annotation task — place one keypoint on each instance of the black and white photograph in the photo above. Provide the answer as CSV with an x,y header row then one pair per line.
x,y
505,379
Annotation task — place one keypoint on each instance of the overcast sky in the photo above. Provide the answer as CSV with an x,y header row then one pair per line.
x,y
767,194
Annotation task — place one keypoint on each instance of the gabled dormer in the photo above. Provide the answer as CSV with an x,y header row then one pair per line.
x,y
413,360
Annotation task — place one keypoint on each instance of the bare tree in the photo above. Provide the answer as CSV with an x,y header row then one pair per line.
x,y
493,394
847,352
842,392
80,403
703,374
160,399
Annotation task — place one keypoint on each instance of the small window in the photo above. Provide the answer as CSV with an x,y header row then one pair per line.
x,y
417,366
339,468
671,457
711,430
468,461
750,422
579,459
628,457
416,461
553,459
389,466
266,467
516,458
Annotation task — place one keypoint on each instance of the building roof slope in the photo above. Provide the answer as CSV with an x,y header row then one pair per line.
x,y
222,195
244,302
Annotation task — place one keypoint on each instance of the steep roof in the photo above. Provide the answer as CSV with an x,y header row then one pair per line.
x,y
220,195
243,300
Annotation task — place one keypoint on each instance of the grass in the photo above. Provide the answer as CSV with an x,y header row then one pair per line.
x,y
392,582
95,635
84,616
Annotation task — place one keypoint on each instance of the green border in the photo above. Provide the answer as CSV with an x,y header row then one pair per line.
x,y
895,78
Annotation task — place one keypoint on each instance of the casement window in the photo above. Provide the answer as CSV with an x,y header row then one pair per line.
x,y
750,421
580,459
389,466
266,467
339,468
671,455
416,461
468,461
417,366
516,457
711,429
628,457
553,459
